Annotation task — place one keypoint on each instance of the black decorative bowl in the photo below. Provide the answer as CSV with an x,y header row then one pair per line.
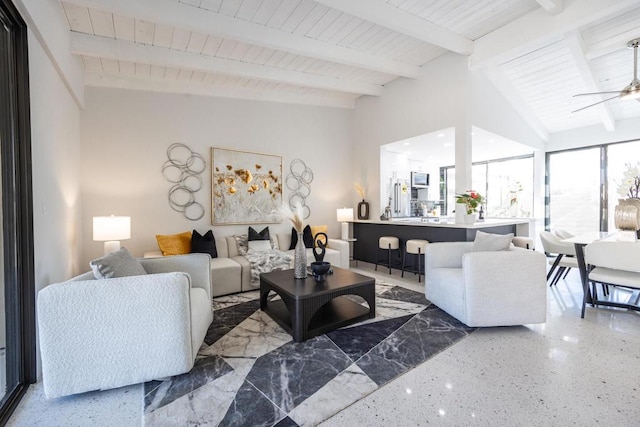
x,y
319,269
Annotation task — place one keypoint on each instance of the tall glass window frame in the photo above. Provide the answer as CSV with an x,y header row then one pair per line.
x,y
447,180
17,209
604,214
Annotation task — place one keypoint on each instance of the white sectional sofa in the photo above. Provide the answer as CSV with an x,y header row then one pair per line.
x,y
231,272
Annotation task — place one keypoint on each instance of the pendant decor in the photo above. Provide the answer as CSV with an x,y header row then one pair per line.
x,y
183,170
299,184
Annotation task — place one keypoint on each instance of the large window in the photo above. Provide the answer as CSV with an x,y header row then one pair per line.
x,y
507,185
17,346
584,185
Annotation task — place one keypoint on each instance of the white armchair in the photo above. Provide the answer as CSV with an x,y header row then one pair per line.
x,y
496,288
101,334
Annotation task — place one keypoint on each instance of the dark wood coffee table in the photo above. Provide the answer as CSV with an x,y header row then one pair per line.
x,y
309,308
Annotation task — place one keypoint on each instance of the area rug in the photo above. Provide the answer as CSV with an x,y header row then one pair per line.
x,y
249,371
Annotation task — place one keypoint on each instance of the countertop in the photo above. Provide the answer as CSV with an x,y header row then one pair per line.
x,y
448,222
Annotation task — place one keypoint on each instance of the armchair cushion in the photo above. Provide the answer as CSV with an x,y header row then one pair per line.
x,y
491,242
116,264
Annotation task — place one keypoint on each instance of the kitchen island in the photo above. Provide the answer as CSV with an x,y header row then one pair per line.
x,y
367,233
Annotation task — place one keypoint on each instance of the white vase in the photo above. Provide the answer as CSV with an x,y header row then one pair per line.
x,y
470,218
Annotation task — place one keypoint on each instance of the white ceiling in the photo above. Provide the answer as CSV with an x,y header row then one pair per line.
x,y
538,53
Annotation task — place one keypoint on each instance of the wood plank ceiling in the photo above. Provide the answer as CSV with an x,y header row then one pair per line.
x,y
330,52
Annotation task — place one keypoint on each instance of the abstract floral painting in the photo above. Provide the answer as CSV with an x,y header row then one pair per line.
x,y
246,187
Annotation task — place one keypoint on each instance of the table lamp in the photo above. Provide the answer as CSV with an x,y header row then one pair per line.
x,y
110,230
345,215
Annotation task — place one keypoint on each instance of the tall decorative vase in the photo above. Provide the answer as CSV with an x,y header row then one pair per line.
x,y
363,210
470,219
300,259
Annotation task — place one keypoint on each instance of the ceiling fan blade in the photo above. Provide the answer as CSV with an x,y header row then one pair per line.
x,y
583,108
598,93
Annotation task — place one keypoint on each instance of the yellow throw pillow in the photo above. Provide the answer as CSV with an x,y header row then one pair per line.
x,y
315,229
174,244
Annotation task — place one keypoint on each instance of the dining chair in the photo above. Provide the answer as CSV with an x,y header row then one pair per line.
x,y
564,256
613,263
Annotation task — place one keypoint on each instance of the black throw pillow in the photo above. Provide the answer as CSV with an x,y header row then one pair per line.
x,y
307,237
263,235
204,244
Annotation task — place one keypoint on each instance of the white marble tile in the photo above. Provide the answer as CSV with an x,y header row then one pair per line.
x,y
231,300
206,405
348,387
252,338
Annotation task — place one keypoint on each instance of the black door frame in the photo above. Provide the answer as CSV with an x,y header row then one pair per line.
x,y
17,209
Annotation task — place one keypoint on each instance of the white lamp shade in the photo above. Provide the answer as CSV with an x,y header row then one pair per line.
x,y
108,228
345,214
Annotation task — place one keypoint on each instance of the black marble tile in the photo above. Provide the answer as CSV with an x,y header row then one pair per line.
x,y
160,393
251,408
422,337
293,372
228,318
286,422
399,293
358,340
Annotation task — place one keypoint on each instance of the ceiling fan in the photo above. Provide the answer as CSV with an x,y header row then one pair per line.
x,y
631,91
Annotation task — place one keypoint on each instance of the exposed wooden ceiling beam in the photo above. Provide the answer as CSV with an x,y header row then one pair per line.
x,y
552,6
503,85
576,47
119,81
102,47
538,29
382,13
174,14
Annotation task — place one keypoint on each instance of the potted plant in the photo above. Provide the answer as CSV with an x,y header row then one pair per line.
x,y
471,200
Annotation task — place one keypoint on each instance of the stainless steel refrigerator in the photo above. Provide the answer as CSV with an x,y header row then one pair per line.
x,y
400,198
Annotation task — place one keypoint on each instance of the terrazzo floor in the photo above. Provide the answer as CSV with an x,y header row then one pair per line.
x,y
568,371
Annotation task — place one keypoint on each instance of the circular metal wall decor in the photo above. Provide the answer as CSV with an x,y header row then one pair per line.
x,y
183,169
298,181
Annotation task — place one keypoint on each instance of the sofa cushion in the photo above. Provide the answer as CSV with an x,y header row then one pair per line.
x,y
307,237
226,276
204,244
254,235
485,242
117,264
315,229
174,244
259,245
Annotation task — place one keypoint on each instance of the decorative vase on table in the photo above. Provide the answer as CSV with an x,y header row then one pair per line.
x,y
363,210
470,218
300,259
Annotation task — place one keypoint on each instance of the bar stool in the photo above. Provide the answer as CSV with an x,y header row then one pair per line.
x,y
415,247
387,243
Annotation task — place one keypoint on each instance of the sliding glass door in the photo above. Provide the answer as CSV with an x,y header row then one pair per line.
x,y
17,318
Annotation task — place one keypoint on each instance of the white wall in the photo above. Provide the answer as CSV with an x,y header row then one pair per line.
x,y
55,143
626,130
126,134
407,108
445,94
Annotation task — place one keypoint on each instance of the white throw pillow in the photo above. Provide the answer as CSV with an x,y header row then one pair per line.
x,y
259,245
117,264
485,242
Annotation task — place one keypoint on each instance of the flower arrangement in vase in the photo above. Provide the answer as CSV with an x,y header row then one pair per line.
x,y
471,200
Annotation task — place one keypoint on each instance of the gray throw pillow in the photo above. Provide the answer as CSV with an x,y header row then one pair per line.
x,y
485,242
117,264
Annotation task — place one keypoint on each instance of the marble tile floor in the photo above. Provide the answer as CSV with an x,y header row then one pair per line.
x,y
568,371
